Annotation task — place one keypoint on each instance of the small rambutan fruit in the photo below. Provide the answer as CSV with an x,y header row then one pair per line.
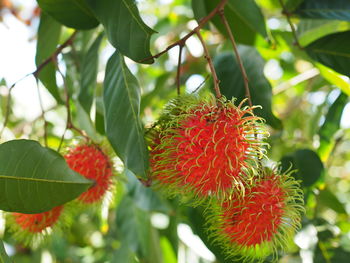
x,y
202,147
32,229
91,162
36,223
262,221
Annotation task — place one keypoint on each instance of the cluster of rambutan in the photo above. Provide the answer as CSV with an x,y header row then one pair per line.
x,y
209,151
86,159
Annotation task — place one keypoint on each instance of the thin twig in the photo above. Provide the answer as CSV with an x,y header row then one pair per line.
x,y
200,85
243,71
75,56
54,55
67,99
211,65
201,23
337,142
8,104
66,93
181,46
62,138
42,112
239,60
70,124
294,32
7,113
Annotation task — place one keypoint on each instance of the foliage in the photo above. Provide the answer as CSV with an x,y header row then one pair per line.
x,y
94,61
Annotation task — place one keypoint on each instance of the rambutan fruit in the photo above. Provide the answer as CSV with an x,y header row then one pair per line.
x,y
262,221
202,147
31,229
91,162
36,223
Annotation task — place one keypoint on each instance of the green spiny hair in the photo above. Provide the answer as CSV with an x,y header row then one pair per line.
x,y
215,117
238,215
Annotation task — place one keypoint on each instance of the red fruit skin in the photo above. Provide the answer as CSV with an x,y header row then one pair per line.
x,y
36,223
207,151
262,221
92,163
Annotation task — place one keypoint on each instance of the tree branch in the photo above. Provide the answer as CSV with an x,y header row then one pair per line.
x,y
239,60
178,73
201,23
42,112
54,55
294,32
69,124
211,66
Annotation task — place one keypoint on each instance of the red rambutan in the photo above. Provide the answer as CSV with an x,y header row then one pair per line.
x,y
263,220
203,147
36,223
91,162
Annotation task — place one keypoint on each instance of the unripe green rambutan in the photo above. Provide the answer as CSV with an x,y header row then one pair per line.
x,y
262,221
203,148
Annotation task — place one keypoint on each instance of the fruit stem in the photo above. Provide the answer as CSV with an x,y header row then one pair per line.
x,y
69,124
211,65
239,60
183,40
292,27
42,112
178,73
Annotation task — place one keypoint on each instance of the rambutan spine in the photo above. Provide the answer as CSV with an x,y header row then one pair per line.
x,y
262,221
205,148
90,161
32,229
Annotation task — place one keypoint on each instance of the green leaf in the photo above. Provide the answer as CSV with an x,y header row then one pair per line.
x,y
334,78
161,93
310,30
134,226
34,179
144,197
88,77
330,255
48,36
291,5
124,254
75,14
249,12
308,165
84,121
168,252
199,10
124,28
246,14
331,126
330,53
4,258
99,119
335,9
122,116
232,84
199,227
327,198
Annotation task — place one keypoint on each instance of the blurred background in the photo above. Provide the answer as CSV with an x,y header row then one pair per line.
x,y
305,104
